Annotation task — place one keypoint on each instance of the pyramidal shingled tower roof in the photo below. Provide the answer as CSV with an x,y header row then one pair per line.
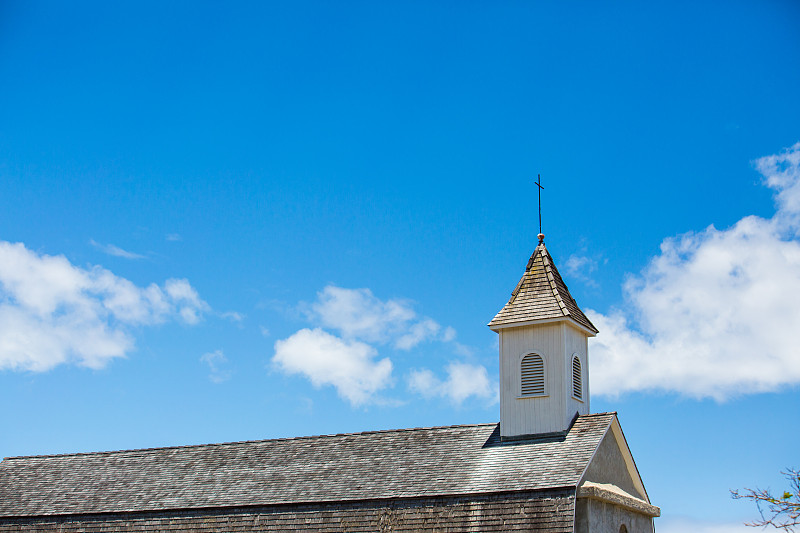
x,y
540,296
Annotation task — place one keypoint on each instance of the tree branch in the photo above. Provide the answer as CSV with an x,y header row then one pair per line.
x,y
782,511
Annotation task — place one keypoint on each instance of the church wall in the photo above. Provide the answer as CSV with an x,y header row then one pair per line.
x,y
525,416
593,516
540,511
608,466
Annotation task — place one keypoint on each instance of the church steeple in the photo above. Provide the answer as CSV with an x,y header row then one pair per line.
x,y
544,365
541,295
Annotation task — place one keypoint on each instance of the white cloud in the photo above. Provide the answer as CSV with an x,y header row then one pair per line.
x,y
416,333
217,366
52,312
463,380
349,361
782,173
186,299
116,251
348,365
173,237
715,314
358,314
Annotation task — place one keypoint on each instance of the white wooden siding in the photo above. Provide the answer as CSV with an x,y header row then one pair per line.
x,y
555,343
576,343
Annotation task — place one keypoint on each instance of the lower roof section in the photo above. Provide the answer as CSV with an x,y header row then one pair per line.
x,y
406,463
548,511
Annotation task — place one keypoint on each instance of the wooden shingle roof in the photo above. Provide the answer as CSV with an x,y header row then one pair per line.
x,y
540,295
407,463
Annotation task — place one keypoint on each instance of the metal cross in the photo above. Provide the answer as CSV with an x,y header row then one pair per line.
x,y
539,185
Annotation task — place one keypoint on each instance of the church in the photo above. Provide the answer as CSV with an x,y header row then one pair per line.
x,y
550,465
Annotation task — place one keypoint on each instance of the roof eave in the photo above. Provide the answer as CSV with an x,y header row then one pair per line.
x,y
568,319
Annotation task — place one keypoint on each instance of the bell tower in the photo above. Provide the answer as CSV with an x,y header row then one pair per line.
x,y
544,365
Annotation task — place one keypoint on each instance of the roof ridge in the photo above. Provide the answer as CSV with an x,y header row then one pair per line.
x,y
548,268
528,274
250,441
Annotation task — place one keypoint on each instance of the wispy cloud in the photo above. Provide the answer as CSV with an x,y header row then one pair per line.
x,y
358,314
186,300
173,237
463,381
715,314
233,316
348,358
581,267
218,366
52,312
116,251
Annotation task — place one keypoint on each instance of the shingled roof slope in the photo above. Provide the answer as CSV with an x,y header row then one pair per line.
x,y
405,463
541,294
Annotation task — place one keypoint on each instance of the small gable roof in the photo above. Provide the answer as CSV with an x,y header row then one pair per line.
x,y
540,295
406,463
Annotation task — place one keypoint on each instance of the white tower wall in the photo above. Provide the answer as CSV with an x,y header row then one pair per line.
x,y
555,342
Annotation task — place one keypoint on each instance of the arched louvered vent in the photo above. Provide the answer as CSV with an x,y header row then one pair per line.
x,y
577,386
532,375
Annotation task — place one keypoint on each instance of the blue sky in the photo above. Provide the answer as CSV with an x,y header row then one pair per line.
x,y
199,205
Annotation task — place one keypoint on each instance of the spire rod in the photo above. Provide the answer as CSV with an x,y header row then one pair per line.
x,y
539,185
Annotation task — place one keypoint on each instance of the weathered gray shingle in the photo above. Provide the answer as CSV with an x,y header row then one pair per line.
x,y
548,511
408,463
541,294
